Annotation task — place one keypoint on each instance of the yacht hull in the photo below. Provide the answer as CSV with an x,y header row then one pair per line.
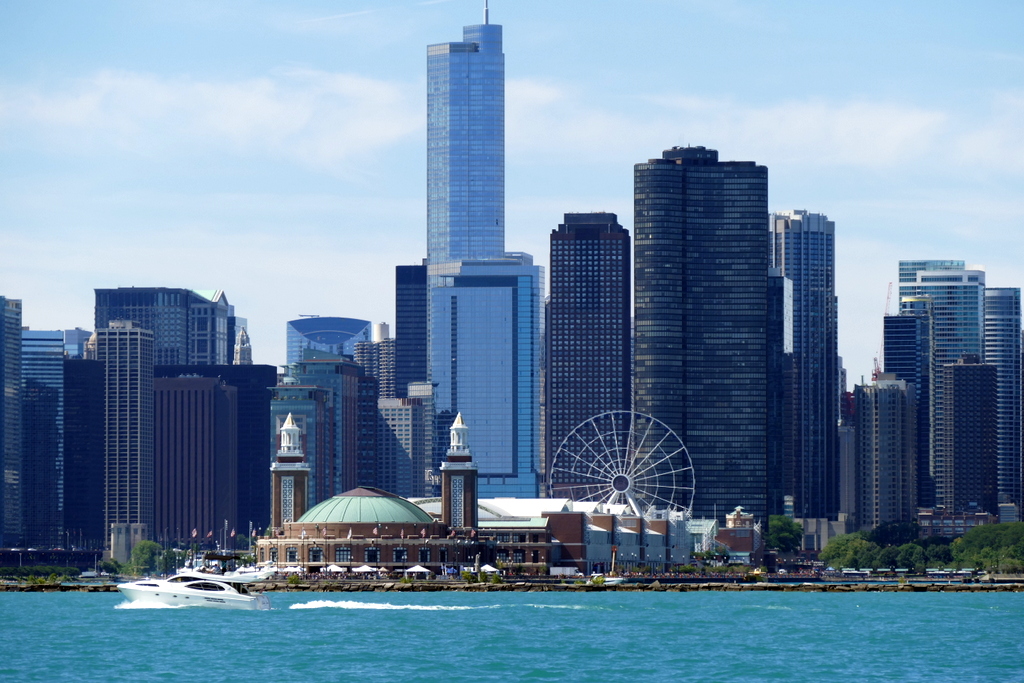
x,y
166,593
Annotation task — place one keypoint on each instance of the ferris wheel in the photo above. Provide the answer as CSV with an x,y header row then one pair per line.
x,y
624,457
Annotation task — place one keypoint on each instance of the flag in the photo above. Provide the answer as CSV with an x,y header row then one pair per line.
x,y
402,534
195,532
303,533
472,534
423,532
350,532
376,530
232,533
209,534
323,532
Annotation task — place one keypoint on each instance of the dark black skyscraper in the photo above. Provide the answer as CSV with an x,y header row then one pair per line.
x,y
411,346
587,327
702,249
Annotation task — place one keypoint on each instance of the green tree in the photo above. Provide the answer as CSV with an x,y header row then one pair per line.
x,y
144,557
894,534
911,556
784,534
848,550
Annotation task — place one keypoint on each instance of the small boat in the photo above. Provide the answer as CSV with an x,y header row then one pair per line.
x,y
196,589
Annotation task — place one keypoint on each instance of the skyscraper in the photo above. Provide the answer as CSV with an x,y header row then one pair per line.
x,y
886,440
10,421
466,147
126,350
1003,350
700,358
254,384
907,353
970,476
42,410
84,410
780,393
484,303
412,329
588,323
803,248
190,327
195,457
958,329
485,346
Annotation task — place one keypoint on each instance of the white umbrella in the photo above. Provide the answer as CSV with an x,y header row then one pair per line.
x,y
290,570
364,569
417,570
488,568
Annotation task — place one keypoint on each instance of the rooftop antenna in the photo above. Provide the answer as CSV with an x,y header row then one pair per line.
x,y
487,19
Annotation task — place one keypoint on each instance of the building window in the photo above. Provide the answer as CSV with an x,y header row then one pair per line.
x,y
343,554
457,501
503,538
424,555
273,555
372,555
316,555
536,557
442,555
287,499
502,556
519,538
261,555
291,555
518,556
401,554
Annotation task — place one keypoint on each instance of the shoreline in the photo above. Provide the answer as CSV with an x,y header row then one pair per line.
x,y
547,587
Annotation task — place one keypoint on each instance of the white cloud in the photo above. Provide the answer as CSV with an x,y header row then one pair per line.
x,y
544,116
310,117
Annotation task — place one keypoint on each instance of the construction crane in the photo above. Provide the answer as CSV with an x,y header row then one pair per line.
x,y
881,344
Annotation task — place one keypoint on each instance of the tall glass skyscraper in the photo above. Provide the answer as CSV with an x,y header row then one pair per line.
x,y
803,249
1003,350
466,147
484,303
701,283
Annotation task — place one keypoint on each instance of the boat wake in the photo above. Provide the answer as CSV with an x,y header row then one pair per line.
x,y
354,604
145,604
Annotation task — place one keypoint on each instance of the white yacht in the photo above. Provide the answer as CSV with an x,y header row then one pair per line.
x,y
196,589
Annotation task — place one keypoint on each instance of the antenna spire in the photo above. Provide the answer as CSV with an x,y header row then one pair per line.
x,y
487,18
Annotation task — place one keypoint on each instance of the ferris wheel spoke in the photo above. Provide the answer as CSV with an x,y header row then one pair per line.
x,y
652,463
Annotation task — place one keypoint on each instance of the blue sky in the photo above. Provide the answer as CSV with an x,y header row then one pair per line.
x,y
275,150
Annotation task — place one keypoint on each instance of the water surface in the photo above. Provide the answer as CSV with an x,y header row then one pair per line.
x,y
600,637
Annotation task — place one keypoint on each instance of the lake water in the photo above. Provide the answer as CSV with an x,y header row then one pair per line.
x,y
601,637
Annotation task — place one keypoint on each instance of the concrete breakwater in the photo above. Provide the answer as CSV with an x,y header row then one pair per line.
x,y
526,586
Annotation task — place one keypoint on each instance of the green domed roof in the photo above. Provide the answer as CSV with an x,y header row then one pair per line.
x,y
365,505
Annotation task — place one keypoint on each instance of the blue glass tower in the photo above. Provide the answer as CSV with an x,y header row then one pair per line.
x,y
466,147
484,315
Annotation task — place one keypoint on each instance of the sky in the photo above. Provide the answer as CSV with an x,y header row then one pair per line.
x,y
276,150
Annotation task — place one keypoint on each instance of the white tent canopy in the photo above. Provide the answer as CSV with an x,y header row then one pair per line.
x,y
365,569
335,569
488,568
417,570
290,570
